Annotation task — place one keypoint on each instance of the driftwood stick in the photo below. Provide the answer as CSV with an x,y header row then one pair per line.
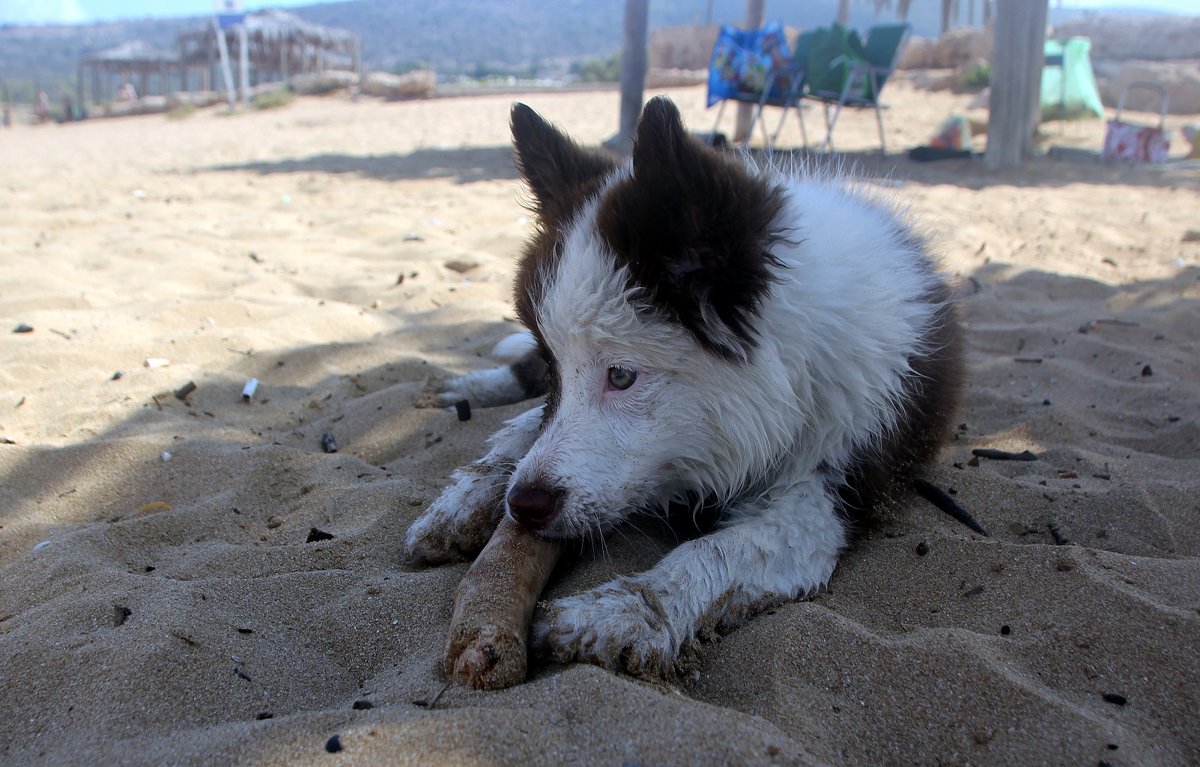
x,y
1003,455
940,498
488,643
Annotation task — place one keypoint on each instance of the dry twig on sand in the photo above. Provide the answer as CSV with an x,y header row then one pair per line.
x,y
488,643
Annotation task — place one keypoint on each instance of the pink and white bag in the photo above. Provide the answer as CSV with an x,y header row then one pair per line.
x,y
1137,143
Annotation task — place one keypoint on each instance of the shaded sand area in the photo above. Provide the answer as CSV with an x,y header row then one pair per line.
x,y
175,611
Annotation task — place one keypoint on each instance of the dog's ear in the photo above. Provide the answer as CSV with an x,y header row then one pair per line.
x,y
560,173
696,228
662,152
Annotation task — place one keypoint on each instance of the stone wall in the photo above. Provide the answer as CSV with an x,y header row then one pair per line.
x,y
1181,79
688,47
1150,38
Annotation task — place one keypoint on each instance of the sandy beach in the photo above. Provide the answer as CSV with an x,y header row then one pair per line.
x,y
188,577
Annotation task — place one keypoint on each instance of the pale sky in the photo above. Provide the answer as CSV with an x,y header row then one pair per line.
x,y
75,11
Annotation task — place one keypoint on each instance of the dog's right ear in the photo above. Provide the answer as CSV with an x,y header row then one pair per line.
x,y
560,173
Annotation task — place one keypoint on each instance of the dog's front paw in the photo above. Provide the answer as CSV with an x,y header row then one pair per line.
x,y
433,541
460,521
620,626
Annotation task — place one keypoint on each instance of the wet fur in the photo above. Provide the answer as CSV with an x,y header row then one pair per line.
x,y
797,353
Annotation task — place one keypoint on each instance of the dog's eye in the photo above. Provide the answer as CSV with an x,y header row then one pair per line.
x,y
621,378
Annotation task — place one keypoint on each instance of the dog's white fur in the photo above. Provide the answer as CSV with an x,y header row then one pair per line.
x,y
762,435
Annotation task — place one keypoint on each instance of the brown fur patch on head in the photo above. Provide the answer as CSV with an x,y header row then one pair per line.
x,y
561,176
695,229
560,173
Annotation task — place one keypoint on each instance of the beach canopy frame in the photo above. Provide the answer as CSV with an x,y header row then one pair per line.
x,y
148,69
279,45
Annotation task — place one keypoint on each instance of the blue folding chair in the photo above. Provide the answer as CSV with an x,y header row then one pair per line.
x,y
751,66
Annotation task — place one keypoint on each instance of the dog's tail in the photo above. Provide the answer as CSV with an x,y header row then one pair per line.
x,y
940,498
515,346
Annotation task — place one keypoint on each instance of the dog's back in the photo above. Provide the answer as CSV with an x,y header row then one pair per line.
x,y
871,330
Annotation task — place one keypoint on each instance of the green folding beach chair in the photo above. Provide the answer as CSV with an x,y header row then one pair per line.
x,y
843,72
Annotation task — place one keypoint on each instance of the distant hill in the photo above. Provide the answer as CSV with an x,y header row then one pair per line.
x,y
463,36
453,37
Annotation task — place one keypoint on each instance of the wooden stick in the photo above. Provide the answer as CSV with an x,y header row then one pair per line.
x,y
488,643
940,498
1003,455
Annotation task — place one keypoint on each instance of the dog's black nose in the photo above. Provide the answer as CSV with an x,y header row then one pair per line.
x,y
534,505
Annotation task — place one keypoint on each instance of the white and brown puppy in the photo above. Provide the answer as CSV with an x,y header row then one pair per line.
x,y
705,331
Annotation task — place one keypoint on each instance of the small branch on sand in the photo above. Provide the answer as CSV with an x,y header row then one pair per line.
x,y
1003,455
940,498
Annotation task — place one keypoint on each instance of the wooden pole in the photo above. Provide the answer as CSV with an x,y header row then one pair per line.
x,y
755,10
1017,59
226,68
244,62
633,72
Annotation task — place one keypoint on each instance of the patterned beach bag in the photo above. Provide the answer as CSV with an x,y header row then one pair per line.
x,y
1137,143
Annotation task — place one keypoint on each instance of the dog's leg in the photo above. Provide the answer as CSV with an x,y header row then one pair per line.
x,y
460,521
524,379
777,546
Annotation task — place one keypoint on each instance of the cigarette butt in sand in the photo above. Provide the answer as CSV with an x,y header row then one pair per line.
x,y
157,362
249,389
488,643
146,508
185,391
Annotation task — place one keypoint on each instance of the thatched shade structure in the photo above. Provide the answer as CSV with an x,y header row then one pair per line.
x,y
279,45
150,70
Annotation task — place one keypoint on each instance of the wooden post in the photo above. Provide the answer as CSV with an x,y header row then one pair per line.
x,y
755,10
226,67
79,102
1017,59
244,62
633,72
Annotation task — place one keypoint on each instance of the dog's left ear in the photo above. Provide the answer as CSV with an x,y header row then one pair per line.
x,y
696,228
560,173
